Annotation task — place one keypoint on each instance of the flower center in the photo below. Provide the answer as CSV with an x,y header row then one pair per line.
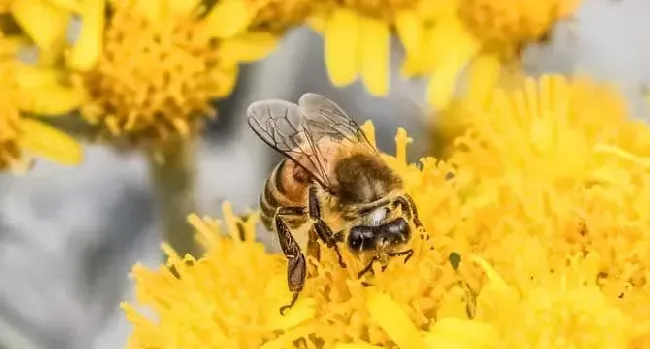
x,y
380,9
154,79
501,22
277,16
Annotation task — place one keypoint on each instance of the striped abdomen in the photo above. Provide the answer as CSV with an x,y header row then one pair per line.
x,y
287,186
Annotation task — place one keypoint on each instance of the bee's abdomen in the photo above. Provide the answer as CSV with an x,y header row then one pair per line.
x,y
281,190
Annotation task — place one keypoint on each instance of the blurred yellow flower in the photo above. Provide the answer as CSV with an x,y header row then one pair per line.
x,y
548,216
157,68
357,38
25,88
479,34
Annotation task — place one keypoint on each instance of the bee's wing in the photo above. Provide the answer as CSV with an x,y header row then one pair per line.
x,y
283,126
328,119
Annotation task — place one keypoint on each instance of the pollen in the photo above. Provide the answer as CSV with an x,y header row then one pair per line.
x,y
500,23
155,79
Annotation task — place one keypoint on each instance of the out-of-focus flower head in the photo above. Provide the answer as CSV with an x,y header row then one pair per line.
x,y
480,34
522,248
159,66
28,89
357,38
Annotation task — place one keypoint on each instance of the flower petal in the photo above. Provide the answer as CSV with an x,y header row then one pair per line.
x,y
456,55
51,100
86,51
248,47
375,56
49,143
392,319
68,5
43,22
30,76
342,47
228,18
453,333
224,80
409,29
482,76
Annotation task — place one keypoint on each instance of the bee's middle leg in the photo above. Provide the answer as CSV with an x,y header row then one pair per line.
x,y
323,230
297,264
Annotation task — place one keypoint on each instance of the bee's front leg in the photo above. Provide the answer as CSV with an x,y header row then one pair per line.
x,y
408,205
297,265
323,230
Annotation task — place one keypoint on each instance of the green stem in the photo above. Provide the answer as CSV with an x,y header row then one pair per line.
x,y
173,176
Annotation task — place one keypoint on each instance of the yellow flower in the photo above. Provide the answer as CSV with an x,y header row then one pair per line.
x,y
157,69
357,38
548,257
481,34
25,88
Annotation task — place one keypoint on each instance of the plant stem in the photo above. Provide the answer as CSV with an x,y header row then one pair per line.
x,y
173,170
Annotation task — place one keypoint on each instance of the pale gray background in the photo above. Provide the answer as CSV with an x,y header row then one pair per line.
x,y
68,236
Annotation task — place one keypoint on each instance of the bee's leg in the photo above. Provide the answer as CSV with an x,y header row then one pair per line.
x,y
297,265
408,206
368,268
408,253
322,229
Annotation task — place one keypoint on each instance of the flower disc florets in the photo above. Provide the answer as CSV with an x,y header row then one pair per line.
x,y
155,79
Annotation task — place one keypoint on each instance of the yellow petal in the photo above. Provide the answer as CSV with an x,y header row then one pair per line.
x,y
453,333
464,47
86,51
409,29
51,100
375,56
224,81
494,277
317,23
249,47
394,321
68,5
30,76
342,47
49,143
43,22
13,44
228,18
482,76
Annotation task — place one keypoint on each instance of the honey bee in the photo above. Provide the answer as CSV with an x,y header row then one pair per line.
x,y
331,186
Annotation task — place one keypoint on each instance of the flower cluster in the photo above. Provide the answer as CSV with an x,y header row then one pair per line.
x,y
536,233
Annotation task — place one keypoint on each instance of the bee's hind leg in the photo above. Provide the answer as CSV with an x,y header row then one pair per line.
x,y
297,265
